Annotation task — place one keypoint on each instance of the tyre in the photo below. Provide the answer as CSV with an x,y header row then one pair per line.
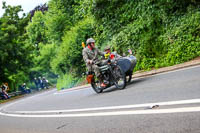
x,y
128,78
120,77
96,85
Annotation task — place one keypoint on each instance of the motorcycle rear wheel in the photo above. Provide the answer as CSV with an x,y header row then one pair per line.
x,y
120,77
96,85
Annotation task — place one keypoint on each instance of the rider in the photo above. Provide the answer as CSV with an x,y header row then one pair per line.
x,y
90,56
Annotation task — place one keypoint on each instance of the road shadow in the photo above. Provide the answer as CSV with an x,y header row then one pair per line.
x,y
133,82
137,81
110,89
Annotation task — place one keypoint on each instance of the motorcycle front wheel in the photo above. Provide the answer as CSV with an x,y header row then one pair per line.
x,y
96,85
120,77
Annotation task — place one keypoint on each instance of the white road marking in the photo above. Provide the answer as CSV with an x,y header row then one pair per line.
x,y
77,112
116,107
157,111
29,97
116,113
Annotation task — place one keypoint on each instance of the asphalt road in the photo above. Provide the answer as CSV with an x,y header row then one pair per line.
x,y
176,93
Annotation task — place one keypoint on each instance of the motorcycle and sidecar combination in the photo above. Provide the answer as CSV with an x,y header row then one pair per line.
x,y
111,73
114,72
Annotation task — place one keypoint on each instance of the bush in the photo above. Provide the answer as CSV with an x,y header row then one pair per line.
x,y
69,56
161,37
183,39
67,81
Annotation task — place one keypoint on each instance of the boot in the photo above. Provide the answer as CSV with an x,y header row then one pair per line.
x,y
102,84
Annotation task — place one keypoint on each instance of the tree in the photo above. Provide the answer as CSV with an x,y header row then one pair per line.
x,y
15,55
69,56
59,18
43,8
36,30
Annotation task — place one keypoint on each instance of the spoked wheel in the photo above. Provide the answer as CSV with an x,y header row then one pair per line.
x,y
128,78
120,77
96,85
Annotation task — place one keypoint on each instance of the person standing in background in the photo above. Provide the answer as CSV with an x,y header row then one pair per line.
x,y
36,83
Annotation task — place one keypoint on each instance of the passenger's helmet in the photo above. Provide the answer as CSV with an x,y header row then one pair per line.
x,y
106,48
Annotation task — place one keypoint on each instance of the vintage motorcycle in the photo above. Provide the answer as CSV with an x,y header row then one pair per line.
x,y
111,73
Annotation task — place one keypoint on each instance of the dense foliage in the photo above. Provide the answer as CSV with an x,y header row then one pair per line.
x,y
15,54
43,8
160,32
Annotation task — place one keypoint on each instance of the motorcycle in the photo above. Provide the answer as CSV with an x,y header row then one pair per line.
x,y
111,73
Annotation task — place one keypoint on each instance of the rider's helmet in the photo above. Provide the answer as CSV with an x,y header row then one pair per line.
x,y
90,40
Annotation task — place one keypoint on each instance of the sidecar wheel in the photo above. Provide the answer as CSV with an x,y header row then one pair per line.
x,y
120,77
128,78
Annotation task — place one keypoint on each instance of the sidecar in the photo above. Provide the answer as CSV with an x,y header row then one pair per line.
x,y
127,64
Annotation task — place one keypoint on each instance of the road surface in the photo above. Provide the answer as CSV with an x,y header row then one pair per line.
x,y
175,96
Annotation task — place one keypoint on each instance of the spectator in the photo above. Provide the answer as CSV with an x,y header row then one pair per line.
x,y
3,92
36,84
44,83
2,96
40,82
26,89
7,87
